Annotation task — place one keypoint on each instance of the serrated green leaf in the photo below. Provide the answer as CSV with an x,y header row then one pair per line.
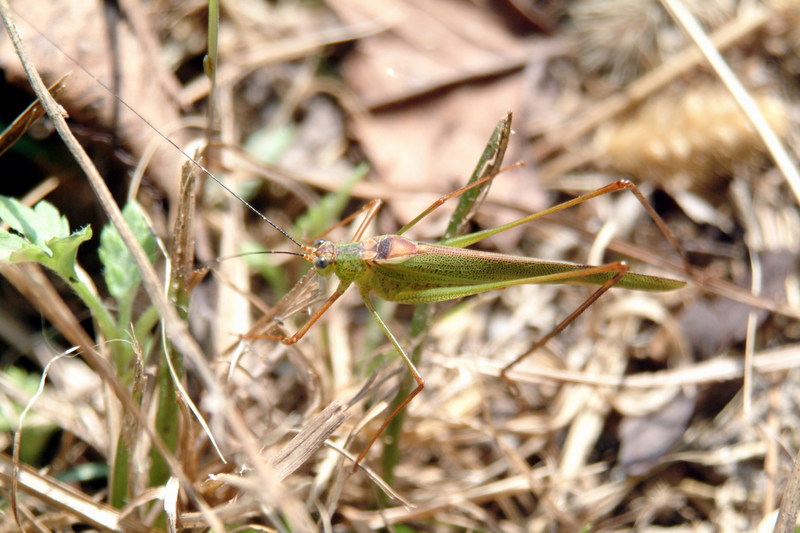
x,y
65,252
44,236
38,225
50,223
18,216
120,270
10,243
60,256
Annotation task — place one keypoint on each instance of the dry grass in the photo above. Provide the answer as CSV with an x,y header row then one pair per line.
x,y
651,412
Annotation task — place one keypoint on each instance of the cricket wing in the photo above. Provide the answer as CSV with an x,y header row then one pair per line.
x,y
436,273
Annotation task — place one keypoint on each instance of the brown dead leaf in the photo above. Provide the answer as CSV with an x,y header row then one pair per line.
x,y
433,145
644,440
436,89
713,325
424,50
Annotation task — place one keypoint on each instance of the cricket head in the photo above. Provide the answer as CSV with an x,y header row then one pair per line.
x,y
323,257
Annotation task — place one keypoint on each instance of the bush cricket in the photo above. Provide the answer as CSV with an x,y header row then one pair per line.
x,y
400,270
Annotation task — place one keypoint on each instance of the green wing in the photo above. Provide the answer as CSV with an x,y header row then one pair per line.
x,y
440,273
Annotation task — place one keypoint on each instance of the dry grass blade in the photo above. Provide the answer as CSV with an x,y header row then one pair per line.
x,y
681,14
310,438
65,497
182,258
26,119
790,503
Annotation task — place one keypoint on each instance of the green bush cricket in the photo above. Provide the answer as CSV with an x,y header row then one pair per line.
x,y
400,270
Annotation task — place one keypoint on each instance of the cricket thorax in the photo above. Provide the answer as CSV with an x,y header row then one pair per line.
x,y
351,261
344,260
389,249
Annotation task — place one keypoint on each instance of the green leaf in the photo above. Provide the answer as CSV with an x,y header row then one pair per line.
x,y
44,236
50,223
329,209
268,145
57,254
65,252
84,472
37,429
10,243
121,272
37,225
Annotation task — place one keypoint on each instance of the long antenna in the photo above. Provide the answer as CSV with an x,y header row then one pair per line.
x,y
283,252
170,141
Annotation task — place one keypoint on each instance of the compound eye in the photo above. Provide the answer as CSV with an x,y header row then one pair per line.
x,y
318,243
321,263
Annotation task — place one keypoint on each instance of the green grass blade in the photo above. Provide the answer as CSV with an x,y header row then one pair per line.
x,y
489,164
